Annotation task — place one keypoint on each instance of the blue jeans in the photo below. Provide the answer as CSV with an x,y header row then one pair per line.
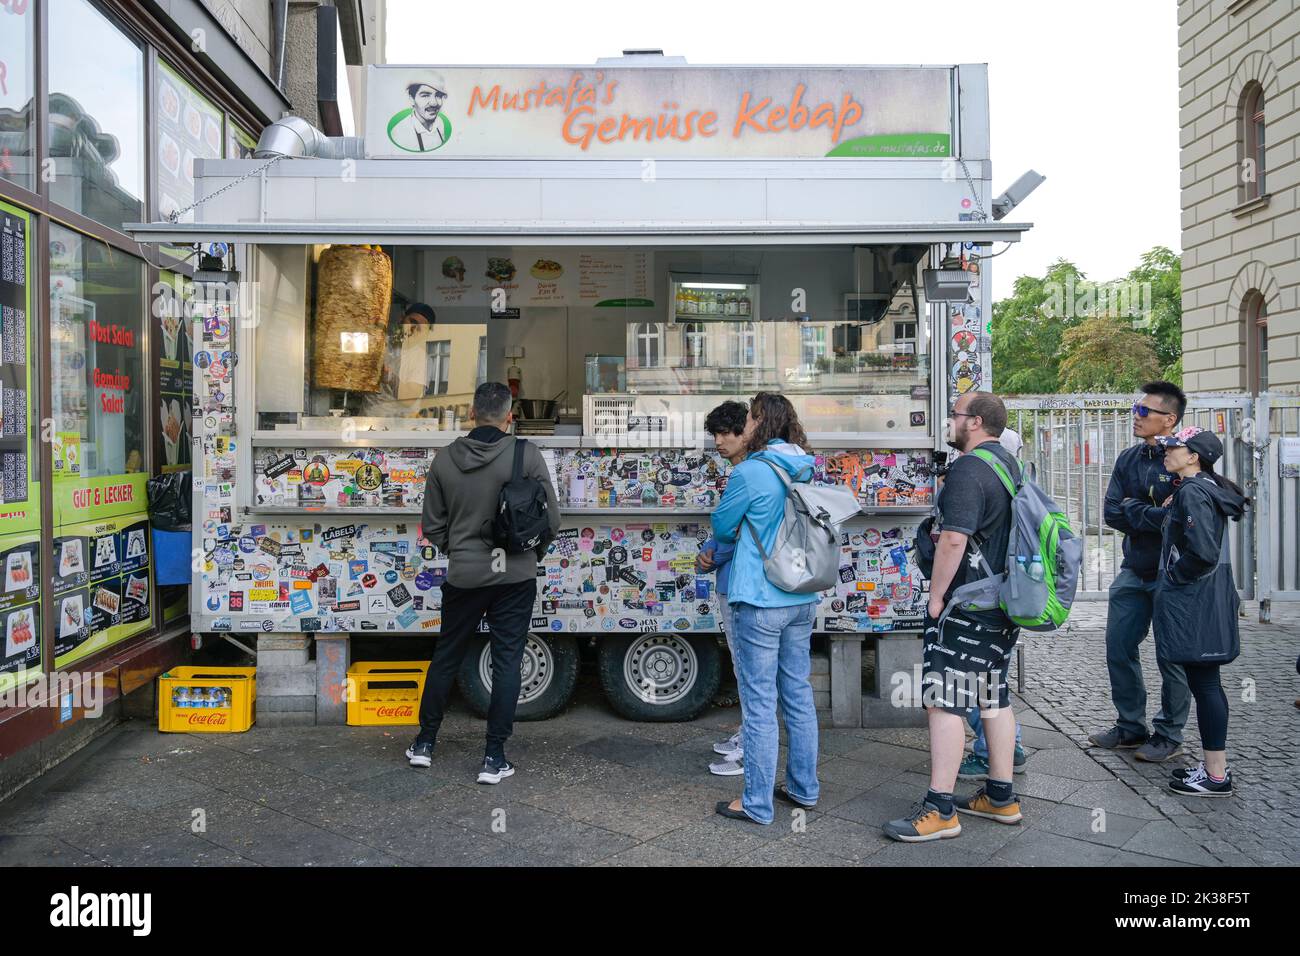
x,y
1128,619
772,664
981,746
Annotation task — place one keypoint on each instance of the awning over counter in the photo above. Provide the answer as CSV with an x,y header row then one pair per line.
x,y
489,234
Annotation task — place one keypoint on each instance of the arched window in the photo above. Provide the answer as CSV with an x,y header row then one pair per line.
x,y
694,345
742,350
649,345
1254,315
1251,144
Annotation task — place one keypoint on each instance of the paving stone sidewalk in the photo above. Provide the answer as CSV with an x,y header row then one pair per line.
x,y
1066,682
593,789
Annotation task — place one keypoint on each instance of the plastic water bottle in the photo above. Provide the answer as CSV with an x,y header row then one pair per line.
x,y
182,697
1036,568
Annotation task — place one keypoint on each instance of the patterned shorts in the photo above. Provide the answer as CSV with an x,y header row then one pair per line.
x,y
966,664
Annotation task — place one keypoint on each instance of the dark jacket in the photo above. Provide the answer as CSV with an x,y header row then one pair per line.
x,y
1138,487
460,499
1196,600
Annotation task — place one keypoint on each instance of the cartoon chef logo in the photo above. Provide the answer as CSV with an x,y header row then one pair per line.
x,y
422,126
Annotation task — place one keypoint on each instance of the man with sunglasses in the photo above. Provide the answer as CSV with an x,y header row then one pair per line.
x,y
1139,486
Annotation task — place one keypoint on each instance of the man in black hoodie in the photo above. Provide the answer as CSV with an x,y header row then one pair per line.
x,y
460,498
1139,486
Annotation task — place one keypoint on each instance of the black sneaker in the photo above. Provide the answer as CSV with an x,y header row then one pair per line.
x,y
1197,783
1116,739
495,770
420,755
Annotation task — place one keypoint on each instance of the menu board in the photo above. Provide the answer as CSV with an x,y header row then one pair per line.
x,y
611,278
15,370
189,128
175,375
20,608
101,584
514,278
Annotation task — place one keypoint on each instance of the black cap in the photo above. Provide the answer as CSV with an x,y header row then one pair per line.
x,y
1207,447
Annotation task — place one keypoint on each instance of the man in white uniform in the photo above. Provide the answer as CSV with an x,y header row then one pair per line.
x,y
422,131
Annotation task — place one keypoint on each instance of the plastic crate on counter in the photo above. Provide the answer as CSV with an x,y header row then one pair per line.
x,y
385,693
207,700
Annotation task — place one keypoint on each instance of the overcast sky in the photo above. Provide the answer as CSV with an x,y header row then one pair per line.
x,y
1085,94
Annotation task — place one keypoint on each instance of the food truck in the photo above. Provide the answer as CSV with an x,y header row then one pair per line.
x,y
628,245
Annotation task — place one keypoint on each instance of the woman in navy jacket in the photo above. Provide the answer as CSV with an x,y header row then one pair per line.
x,y
1196,600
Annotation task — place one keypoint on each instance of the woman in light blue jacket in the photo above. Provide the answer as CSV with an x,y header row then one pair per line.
x,y
773,627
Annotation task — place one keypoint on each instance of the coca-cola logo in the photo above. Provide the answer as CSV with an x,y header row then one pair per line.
x,y
406,711
210,720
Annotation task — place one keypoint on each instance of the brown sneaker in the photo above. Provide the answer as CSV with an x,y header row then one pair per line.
x,y
922,824
980,804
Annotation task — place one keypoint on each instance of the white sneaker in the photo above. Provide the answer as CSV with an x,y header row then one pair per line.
x,y
728,767
729,746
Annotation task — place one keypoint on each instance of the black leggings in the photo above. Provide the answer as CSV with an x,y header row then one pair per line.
x,y
1211,704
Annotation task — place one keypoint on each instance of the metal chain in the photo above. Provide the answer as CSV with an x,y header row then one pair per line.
x,y
175,216
979,204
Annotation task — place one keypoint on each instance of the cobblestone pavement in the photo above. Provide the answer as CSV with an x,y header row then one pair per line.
x,y
593,789
1067,683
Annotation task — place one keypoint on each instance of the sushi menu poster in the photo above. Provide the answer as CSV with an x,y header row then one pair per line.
x,y
19,603
102,585
189,128
15,340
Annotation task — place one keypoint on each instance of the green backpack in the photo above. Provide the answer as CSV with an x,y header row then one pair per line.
x,y
1044,555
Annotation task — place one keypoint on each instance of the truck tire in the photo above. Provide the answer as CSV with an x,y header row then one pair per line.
x,y
660,675
549,670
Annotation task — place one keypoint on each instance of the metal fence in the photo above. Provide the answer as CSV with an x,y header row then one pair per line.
x,y
1276,449
1073,441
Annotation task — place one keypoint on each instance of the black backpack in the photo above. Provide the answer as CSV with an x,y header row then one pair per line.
x,y
522,520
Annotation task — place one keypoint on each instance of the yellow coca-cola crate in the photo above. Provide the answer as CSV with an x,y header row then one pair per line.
x,y
207,700
385,693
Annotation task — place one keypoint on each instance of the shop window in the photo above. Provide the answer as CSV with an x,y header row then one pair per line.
x,y
97,121
1251,144
189,128
97,357
1254,315
694,345
649,344
20,529
17,23
589,320
171,324
439,367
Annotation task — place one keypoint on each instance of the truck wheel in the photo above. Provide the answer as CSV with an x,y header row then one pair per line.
x,y
660,676
549,672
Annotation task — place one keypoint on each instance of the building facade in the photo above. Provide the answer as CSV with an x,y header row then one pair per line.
x,y
95,382
1239,82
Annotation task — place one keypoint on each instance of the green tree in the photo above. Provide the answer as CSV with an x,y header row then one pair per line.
x,y
1163,268
1027,330
1107,355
